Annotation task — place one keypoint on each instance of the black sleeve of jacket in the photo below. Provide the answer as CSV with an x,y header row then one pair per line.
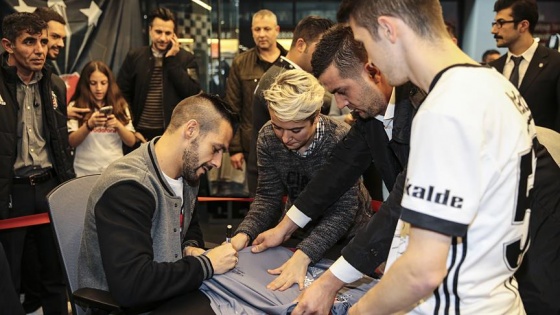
x,y
193,236
178,70
125,80
123,217
370,247
350,158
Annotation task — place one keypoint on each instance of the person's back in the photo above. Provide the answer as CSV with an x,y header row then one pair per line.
x,y
470,170
483,258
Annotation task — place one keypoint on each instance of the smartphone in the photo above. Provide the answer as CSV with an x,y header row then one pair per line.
x,y
106,110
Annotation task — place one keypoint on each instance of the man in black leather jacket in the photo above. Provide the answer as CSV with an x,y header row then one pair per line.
x,y
153,79
34,152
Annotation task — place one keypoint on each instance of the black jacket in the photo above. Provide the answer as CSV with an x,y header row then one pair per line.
x,y
54,115
180,80
365,142
540,86
244,76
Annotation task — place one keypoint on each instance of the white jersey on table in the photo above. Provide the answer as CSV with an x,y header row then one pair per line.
x,y
470,139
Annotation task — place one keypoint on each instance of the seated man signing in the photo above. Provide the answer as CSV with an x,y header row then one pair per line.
x,y
291,148
141,240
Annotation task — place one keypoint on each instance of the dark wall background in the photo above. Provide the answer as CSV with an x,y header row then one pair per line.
x,y
97,30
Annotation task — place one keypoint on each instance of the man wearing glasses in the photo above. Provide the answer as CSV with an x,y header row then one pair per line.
x,y
534,69
537,76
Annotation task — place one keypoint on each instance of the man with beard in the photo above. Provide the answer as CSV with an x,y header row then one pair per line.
x,y
141,240
57,35
532,68
153,79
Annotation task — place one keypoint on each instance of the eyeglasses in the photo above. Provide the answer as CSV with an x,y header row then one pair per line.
x,y
499,23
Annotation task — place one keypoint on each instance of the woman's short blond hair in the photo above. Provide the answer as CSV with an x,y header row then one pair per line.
x,y
295,95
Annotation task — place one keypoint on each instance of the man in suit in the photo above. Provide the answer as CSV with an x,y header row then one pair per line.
x,y
537,75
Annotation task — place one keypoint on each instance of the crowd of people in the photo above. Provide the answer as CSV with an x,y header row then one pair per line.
x,y
472,193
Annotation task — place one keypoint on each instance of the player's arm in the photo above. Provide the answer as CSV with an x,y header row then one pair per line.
x,y
413,276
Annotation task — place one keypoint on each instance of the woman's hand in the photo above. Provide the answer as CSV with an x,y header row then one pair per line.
x,y
113,122
97,120
292,271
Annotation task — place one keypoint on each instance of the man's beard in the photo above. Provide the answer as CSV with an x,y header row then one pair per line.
x,y
190,164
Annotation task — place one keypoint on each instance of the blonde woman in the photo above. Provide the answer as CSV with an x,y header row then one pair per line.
x,y
291,148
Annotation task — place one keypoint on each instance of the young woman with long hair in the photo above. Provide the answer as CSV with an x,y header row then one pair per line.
x,y
99,136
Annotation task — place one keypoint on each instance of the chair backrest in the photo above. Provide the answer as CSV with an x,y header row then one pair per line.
x,y
551,140
67,204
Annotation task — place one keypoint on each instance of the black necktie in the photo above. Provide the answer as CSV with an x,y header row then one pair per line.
x,y
514,77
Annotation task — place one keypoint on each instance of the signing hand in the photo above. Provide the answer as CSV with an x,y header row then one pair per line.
x,y
223,258
292,271
237,161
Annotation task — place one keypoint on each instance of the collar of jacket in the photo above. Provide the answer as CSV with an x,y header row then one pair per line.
x,y
283,52
10,72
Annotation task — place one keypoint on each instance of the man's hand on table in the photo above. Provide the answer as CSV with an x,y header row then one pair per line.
x,y
275,236
319,297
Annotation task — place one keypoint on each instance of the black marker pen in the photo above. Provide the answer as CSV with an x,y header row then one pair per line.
x,y
228,233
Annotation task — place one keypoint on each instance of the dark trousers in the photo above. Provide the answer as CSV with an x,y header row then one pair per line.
x,y
26,200
10,299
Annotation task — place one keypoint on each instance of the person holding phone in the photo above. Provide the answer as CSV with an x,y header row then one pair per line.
x,y
155,78
99,136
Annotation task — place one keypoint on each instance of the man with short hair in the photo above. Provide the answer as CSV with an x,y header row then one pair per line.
x,y
153,79
245,73
464,223
35,150
141,240
57,35
489,56
533,69
305,37
292,148
31,283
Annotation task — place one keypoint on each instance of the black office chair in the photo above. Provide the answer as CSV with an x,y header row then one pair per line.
x,y
67,204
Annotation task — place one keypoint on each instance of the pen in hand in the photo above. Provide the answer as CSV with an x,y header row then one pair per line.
x,y
228,233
